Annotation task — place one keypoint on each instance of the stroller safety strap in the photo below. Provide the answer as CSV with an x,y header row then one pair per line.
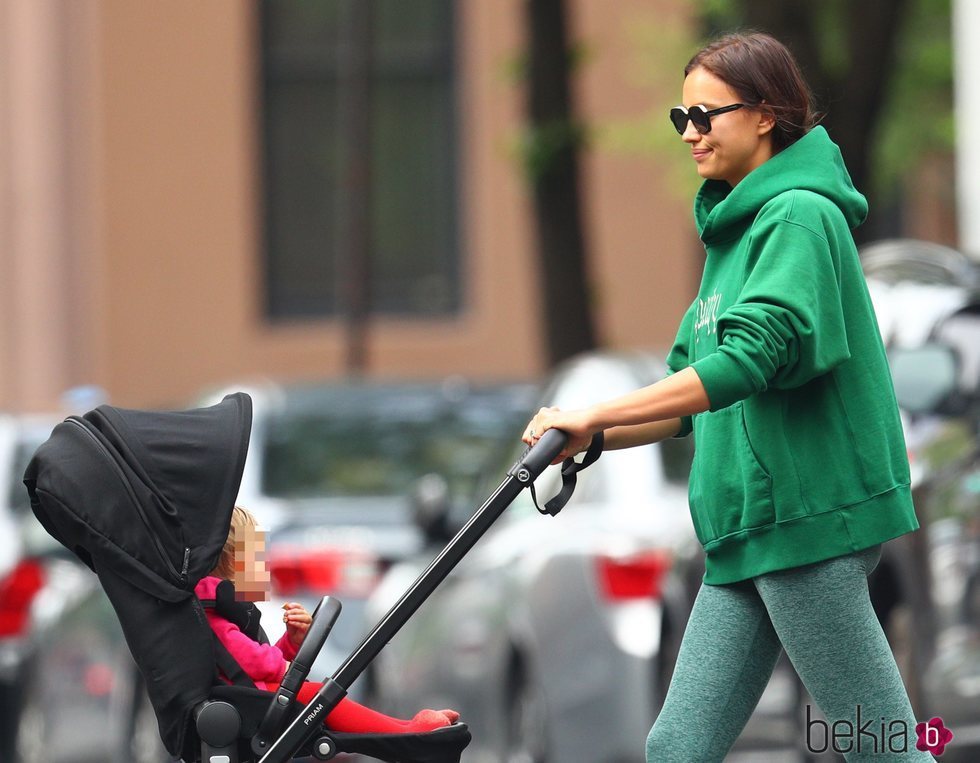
x,y
229,666
246,617
569,477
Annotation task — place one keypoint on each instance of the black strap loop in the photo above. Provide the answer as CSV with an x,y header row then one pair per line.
x,y
569,476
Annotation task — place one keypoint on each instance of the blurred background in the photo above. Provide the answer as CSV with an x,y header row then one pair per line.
x,y
436,211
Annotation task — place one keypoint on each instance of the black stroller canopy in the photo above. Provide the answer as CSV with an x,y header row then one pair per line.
x,y
145,498
145,494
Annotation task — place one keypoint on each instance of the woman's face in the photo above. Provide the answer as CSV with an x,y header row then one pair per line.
x,y
739,140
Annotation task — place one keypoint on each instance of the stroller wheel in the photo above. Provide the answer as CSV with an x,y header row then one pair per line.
x,y
324,749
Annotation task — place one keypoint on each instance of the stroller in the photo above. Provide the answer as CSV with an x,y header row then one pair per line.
x,y
144,498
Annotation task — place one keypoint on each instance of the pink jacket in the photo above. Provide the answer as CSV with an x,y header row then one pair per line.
x,y
265,664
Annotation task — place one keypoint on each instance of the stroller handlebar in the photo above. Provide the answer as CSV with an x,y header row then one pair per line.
x,y
538,457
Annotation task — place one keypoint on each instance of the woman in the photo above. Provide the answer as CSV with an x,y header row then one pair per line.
x,y
800,470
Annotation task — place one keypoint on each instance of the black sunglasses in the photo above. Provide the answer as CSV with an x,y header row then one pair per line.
x,y
700,117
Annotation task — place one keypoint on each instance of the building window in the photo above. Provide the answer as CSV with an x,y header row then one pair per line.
x,y
411,200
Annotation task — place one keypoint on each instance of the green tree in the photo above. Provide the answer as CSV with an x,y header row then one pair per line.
x,y
554,138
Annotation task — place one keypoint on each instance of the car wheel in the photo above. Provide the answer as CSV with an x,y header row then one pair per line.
x,y
664,662
29,745
526,717
9,712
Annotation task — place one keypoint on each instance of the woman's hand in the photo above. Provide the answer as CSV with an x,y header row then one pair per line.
x,y
297,620
577,424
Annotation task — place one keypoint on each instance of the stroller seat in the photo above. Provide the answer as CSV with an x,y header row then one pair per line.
x,y
145,500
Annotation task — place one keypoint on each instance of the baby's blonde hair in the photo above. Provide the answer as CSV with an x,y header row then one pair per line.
x,y
240,517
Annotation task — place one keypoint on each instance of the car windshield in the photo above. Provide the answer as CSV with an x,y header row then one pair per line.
x,y
961,331
377,441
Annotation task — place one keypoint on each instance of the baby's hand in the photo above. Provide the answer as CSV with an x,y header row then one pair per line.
x,y
297,621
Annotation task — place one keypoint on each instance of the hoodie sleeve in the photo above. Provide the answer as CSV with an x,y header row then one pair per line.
x,y
261,662
787,325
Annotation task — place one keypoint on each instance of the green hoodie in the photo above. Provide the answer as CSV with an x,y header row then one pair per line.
x,y
801,457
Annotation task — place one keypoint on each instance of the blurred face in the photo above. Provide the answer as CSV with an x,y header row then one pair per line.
x,y
251,578
739,141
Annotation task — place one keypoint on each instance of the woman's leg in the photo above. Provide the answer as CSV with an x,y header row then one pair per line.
x,y
726,657
825,621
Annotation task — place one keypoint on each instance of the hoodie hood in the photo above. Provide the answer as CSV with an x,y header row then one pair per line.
x,y
813,163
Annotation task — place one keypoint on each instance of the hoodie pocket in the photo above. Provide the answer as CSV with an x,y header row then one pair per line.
x,y
730,491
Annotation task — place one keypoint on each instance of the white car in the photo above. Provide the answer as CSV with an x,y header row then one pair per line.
x,y
332,472
555,637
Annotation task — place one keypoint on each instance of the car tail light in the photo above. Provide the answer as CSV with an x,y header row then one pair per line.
x,y
638,576
99,680
322,571
17,591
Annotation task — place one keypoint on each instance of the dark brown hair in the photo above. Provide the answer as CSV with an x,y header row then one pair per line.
x,y
764,75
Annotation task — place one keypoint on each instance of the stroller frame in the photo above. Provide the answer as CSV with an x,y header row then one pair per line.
x,y
306,726
144,498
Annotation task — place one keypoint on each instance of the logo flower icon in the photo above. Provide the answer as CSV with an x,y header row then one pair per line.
x,y
933,736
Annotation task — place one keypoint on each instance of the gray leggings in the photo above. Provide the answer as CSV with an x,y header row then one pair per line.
x,y
822,615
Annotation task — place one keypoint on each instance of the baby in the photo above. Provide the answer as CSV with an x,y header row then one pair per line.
x,y
241,578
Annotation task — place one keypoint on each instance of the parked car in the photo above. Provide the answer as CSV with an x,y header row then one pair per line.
x,y
939,383
69,691
928,303
332,471
21,577
555,637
